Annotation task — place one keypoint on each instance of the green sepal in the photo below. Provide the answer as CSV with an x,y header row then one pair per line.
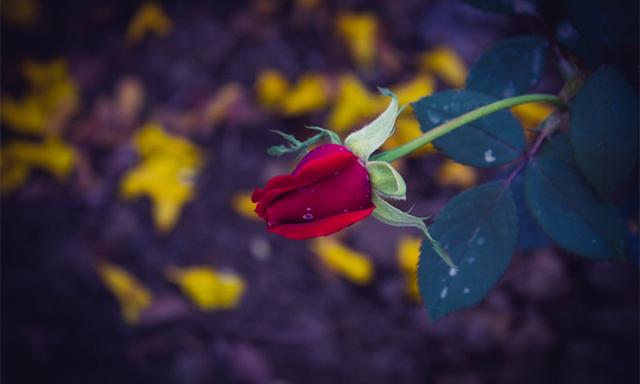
x,y
386,180
391,215
365,141
296,145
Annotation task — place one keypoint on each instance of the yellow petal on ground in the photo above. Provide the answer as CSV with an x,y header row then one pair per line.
x,y
309,94
208,288
532,114
354,104
271,86
150,18
408,254
360,31
411,91
50,100
129,97
407,129
243,206
20,13
353,265
445,63
218,107
166,173
456,174
18,158
132,295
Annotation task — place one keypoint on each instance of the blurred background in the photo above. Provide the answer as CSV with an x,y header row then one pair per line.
x,y
132,136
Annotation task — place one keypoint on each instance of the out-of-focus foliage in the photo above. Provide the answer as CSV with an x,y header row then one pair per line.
x,y
353,104
243,206
131,294
408,253
360,32
208,288
352,265
446,64
220,104
456,174
51,99
166,173
20,157
149,19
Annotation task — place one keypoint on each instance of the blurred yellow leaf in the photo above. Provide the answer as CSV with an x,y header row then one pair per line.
x,y
345,261
360,31
166,173
271,86
132,295
309,94
129,98
456,174
354,103
150,18
20,13
18,158
243,206
415,89
445,63
407,129
207,288
51,98
532,114
408,254
221,103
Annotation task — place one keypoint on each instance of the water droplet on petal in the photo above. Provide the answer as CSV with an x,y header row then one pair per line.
x,y
308,208
307,216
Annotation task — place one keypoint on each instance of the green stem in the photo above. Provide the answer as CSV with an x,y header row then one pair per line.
x,y
461,120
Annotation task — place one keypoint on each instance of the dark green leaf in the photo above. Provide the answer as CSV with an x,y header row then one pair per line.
x,y
510,7
478,229
566,207
604,130
487,142
605,24
510,68
530,235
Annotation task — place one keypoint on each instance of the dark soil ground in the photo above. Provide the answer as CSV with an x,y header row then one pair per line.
x,y
553,318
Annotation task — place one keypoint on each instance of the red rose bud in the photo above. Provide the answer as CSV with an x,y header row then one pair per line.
x,y
328,191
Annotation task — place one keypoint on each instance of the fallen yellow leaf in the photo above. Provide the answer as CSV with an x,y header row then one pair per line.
x,y
445,63
271,86
150,18
51,99
20,13
132,295
354,103
408,254
415,89
166,173
353,265
208,288
360,31
532,114
309,94
456,174
243,206
18,158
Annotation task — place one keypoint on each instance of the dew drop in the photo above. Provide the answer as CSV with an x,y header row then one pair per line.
x,y
466,291
488,156
480,240
308,208
443,294
307,216
345,210
471,259
453,272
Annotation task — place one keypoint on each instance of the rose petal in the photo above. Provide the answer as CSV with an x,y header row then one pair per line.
x,y
322,227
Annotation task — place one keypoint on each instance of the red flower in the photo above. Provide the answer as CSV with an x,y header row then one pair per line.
x,y
328,191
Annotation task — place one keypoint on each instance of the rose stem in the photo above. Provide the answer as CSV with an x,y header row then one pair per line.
x,y
461,120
